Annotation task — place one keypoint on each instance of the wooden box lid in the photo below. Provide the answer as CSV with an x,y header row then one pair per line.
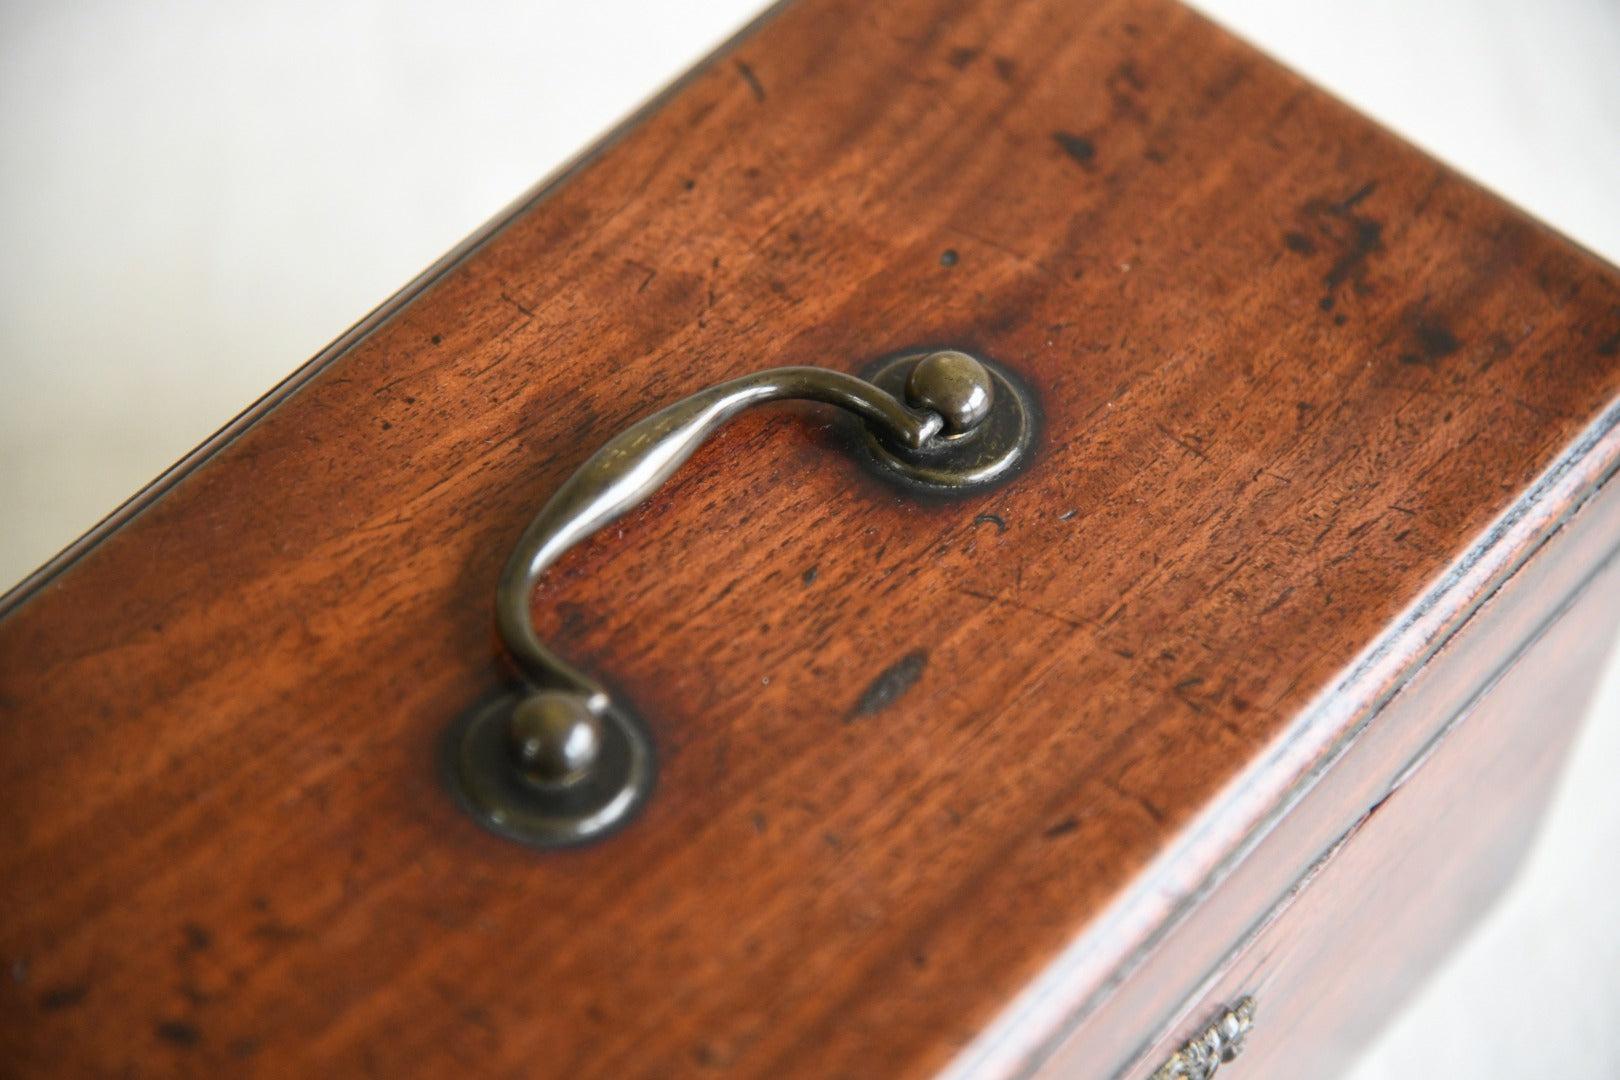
x,y
1306,395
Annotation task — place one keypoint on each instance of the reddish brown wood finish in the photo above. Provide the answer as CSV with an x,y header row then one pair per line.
x,y
1395,723
1291,372
1397,849
1340,955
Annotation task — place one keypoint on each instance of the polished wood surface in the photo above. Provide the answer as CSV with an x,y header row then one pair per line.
x,y
1397,849
912,753
1385,730
1341,953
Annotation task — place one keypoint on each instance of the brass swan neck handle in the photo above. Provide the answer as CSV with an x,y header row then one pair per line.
x,y
637,461
558,761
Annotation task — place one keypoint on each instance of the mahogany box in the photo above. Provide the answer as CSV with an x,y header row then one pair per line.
x,y
1184,739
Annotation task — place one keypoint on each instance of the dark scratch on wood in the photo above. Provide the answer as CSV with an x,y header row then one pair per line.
x,y
752,80
1191,449
1281,599
1008,601
646,281
1360,193
517,305
997,245
894,681
1183,689
1062,828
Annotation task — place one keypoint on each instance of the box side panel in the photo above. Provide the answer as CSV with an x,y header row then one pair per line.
x,y
1546,631
1346,949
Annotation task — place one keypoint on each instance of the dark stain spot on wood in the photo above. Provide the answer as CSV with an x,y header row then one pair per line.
x,y
198,939
1366,238
1298,241
991,519
197,996
1356,237
1078,147
1437,341
810,575
275,932
1610,347
887,688
1005,68
688,184
437,339
1062,828
1123,84
178,1033
712,1056
1433,339
1232,78
948,257
758,822
63,997
245,1047
960,58
752,80
1327,302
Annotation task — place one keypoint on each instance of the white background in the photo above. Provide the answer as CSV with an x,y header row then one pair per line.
x,y
195,196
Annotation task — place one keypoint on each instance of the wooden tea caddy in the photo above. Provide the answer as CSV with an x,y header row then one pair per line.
x,y
1194,736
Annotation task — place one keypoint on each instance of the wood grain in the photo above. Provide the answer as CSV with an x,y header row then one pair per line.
x,y
1511,683
1291,372
1342,953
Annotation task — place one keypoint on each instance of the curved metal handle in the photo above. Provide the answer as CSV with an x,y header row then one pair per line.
x,y
558,761
636,462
